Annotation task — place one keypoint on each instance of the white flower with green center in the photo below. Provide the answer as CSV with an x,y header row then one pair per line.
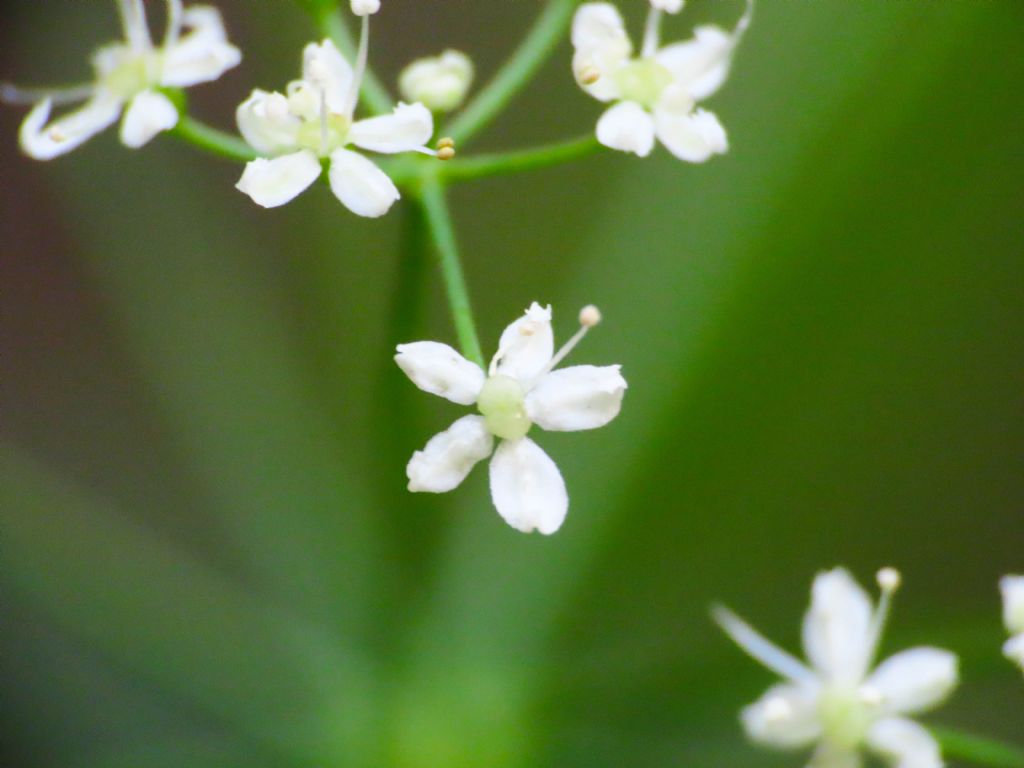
x,y
1013,616
837,701
655,94
195,50
520,389
439,82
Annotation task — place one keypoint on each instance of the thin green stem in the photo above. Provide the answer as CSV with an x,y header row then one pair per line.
x,y
979,750
547,32
213,140
439,224
373,95
518,161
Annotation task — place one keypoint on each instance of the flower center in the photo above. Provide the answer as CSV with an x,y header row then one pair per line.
x,y
845,716
324,137
133,74
643,81
502,403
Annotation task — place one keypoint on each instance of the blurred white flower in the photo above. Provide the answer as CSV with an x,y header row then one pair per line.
x,y
194,50
1013,615
837,701
520,389
365,7
439,82
655,94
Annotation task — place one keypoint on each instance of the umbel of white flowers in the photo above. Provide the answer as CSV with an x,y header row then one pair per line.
x,y
521,388
655,95
312,122
838,702
194,50
1013,615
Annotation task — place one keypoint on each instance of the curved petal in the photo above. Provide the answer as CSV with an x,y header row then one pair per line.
x,y
360,185
440,370
837,631
266,124
668,6
786,716
1014,649
526,487
408,128
1012,588
271,183
691,137
45,142
201,55
526,345
148,114
700,65
904,744
323,64
914,681
575,398
601,46
449,456
628,128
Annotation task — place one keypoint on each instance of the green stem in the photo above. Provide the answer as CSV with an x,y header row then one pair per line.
x,y
547,32
979,750
372,94
517,161
439,224
213,140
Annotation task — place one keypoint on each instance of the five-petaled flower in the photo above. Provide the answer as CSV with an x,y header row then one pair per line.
x,y
195,50
313,122
519,389
1013,615
838,702
655,94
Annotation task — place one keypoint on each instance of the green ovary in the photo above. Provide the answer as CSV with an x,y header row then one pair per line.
x,y
502,403
643,81
132,75
845,717
311,135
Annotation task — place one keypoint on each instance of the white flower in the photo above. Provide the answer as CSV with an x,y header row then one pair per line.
x,y
313,122
520,389
195,50
439,82
365,7
1013,616
840,700
655,94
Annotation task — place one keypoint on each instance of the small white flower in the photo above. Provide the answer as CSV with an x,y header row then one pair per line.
x,y
655,94
1013,616
365,7
312,122
520,389
840,701
439,82
195,50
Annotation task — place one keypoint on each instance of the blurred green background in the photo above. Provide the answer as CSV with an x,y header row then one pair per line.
x,y
210,558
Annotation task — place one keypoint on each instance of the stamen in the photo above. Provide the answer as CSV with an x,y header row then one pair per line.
x,y
12,94
57,135
758,647
652,33
446,148
777,710
360,68
133,20
174,21
589,317
889,580
324,130
588,74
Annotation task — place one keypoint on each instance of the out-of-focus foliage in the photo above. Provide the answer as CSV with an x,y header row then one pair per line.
x,y
209,557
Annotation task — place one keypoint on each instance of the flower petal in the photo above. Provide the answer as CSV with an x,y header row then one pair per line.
x,y
786,716
829,756
627,127
360,185
449,456
693,137
526,487
580,397
148,114
837,629
904,743
1013,649
45,142
602,46
271,183
700,65
440,370
914,681
266,124
1012,588
526,346
323,64
408,128
201,55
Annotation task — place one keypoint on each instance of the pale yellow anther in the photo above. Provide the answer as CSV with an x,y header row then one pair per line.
x,y
446,142
590,316
589,74
445,153
777,709
889,579
56,134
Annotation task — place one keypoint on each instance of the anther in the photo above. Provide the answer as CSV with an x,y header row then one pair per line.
x,y
777,709
590,316
317,71
589,75
889,579
56,134
446,148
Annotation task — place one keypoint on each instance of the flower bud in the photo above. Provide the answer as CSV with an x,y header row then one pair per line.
x,y
365,7
440,83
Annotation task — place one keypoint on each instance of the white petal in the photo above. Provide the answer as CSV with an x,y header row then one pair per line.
x,y
1014,649
201,55
409,127
440,82
45,142
526,487
323,64
1012,588
837,629
440,370
786,716
449,456
700,65
360,185
266,124
904,743
627,127
365,7
668,6
526,346
271,183
914,681
691,137
602,46
580,397
828,756
148,114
